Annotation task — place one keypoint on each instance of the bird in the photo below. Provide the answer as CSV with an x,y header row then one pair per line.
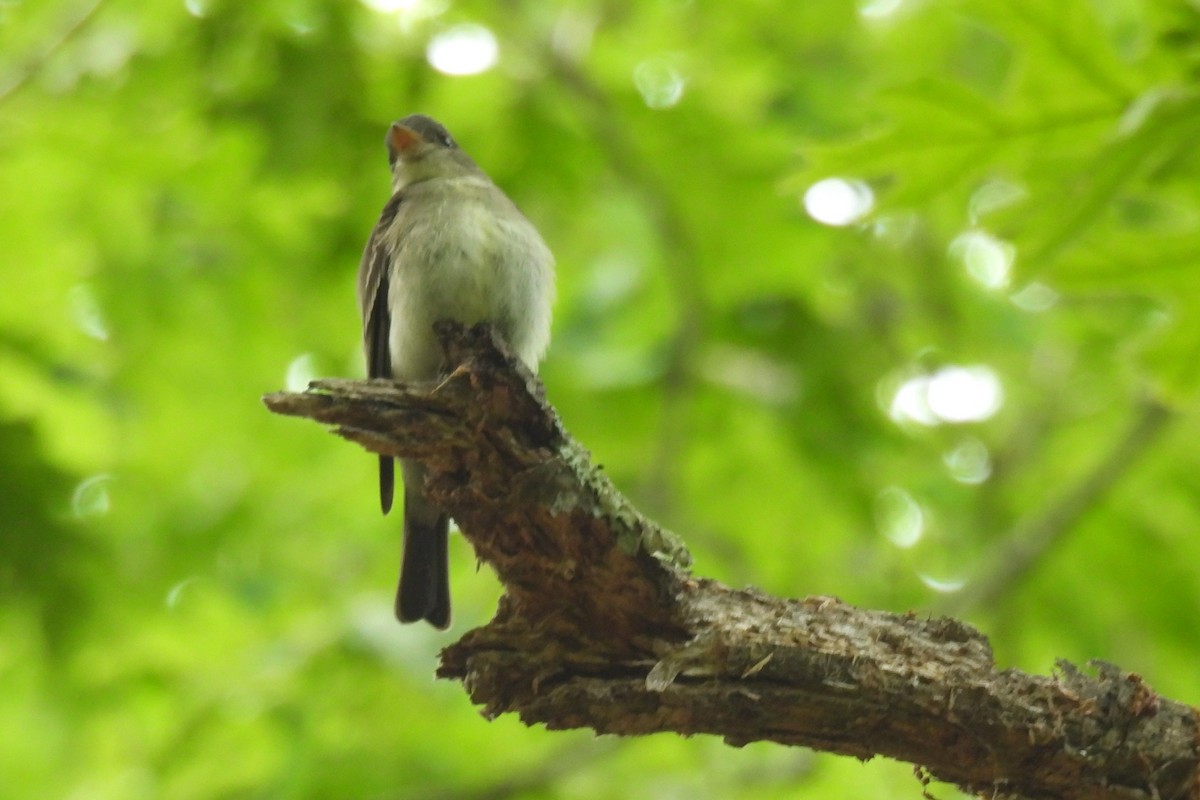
x,y
449,245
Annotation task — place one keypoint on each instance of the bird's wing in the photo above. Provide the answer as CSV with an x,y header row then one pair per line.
x,y
373,293
377,322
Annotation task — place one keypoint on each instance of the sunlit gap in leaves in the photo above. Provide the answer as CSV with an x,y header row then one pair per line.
x,y
903,522
987,259
878,9
942,585
90,498
406,16
951,395
899,517
1035,297
406,7
993,195
659,82
463,50
969,461
838,201
300,372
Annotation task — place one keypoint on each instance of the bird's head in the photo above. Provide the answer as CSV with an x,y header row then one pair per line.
x,y
420,149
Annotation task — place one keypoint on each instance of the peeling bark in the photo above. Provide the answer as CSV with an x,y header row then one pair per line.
x,y
602,625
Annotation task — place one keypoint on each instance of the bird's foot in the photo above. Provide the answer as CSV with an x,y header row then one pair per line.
x,y
461,369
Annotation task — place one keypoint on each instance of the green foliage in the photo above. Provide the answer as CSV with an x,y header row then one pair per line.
x,y
196,595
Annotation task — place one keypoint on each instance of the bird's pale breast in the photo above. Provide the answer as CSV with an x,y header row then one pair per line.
x,y
464,255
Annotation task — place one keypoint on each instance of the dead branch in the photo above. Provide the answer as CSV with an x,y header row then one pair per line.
x,y
602,626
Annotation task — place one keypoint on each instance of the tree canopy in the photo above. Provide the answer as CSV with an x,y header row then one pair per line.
x,y
890,301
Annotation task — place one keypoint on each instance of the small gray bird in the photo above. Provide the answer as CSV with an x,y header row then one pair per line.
x,y
449,245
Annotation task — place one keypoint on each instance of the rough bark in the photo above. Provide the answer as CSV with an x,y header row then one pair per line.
x,y
603,626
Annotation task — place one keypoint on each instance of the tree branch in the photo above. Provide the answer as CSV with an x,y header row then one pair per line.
x,y
602,626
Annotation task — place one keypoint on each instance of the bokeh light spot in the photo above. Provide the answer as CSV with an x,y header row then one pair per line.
x,y
969,462
463,50
987,259
659,82
878,9
1035,297
407,14
942,585
993,196
197,8
964,394
300,372
838,202
953,394
910,403
90,498
899,517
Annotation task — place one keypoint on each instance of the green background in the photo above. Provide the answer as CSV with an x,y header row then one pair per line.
x,y
195,594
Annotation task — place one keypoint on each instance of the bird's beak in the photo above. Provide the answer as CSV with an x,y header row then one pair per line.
x,y
403,142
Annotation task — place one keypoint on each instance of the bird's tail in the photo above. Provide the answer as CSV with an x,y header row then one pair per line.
x,y
424,591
